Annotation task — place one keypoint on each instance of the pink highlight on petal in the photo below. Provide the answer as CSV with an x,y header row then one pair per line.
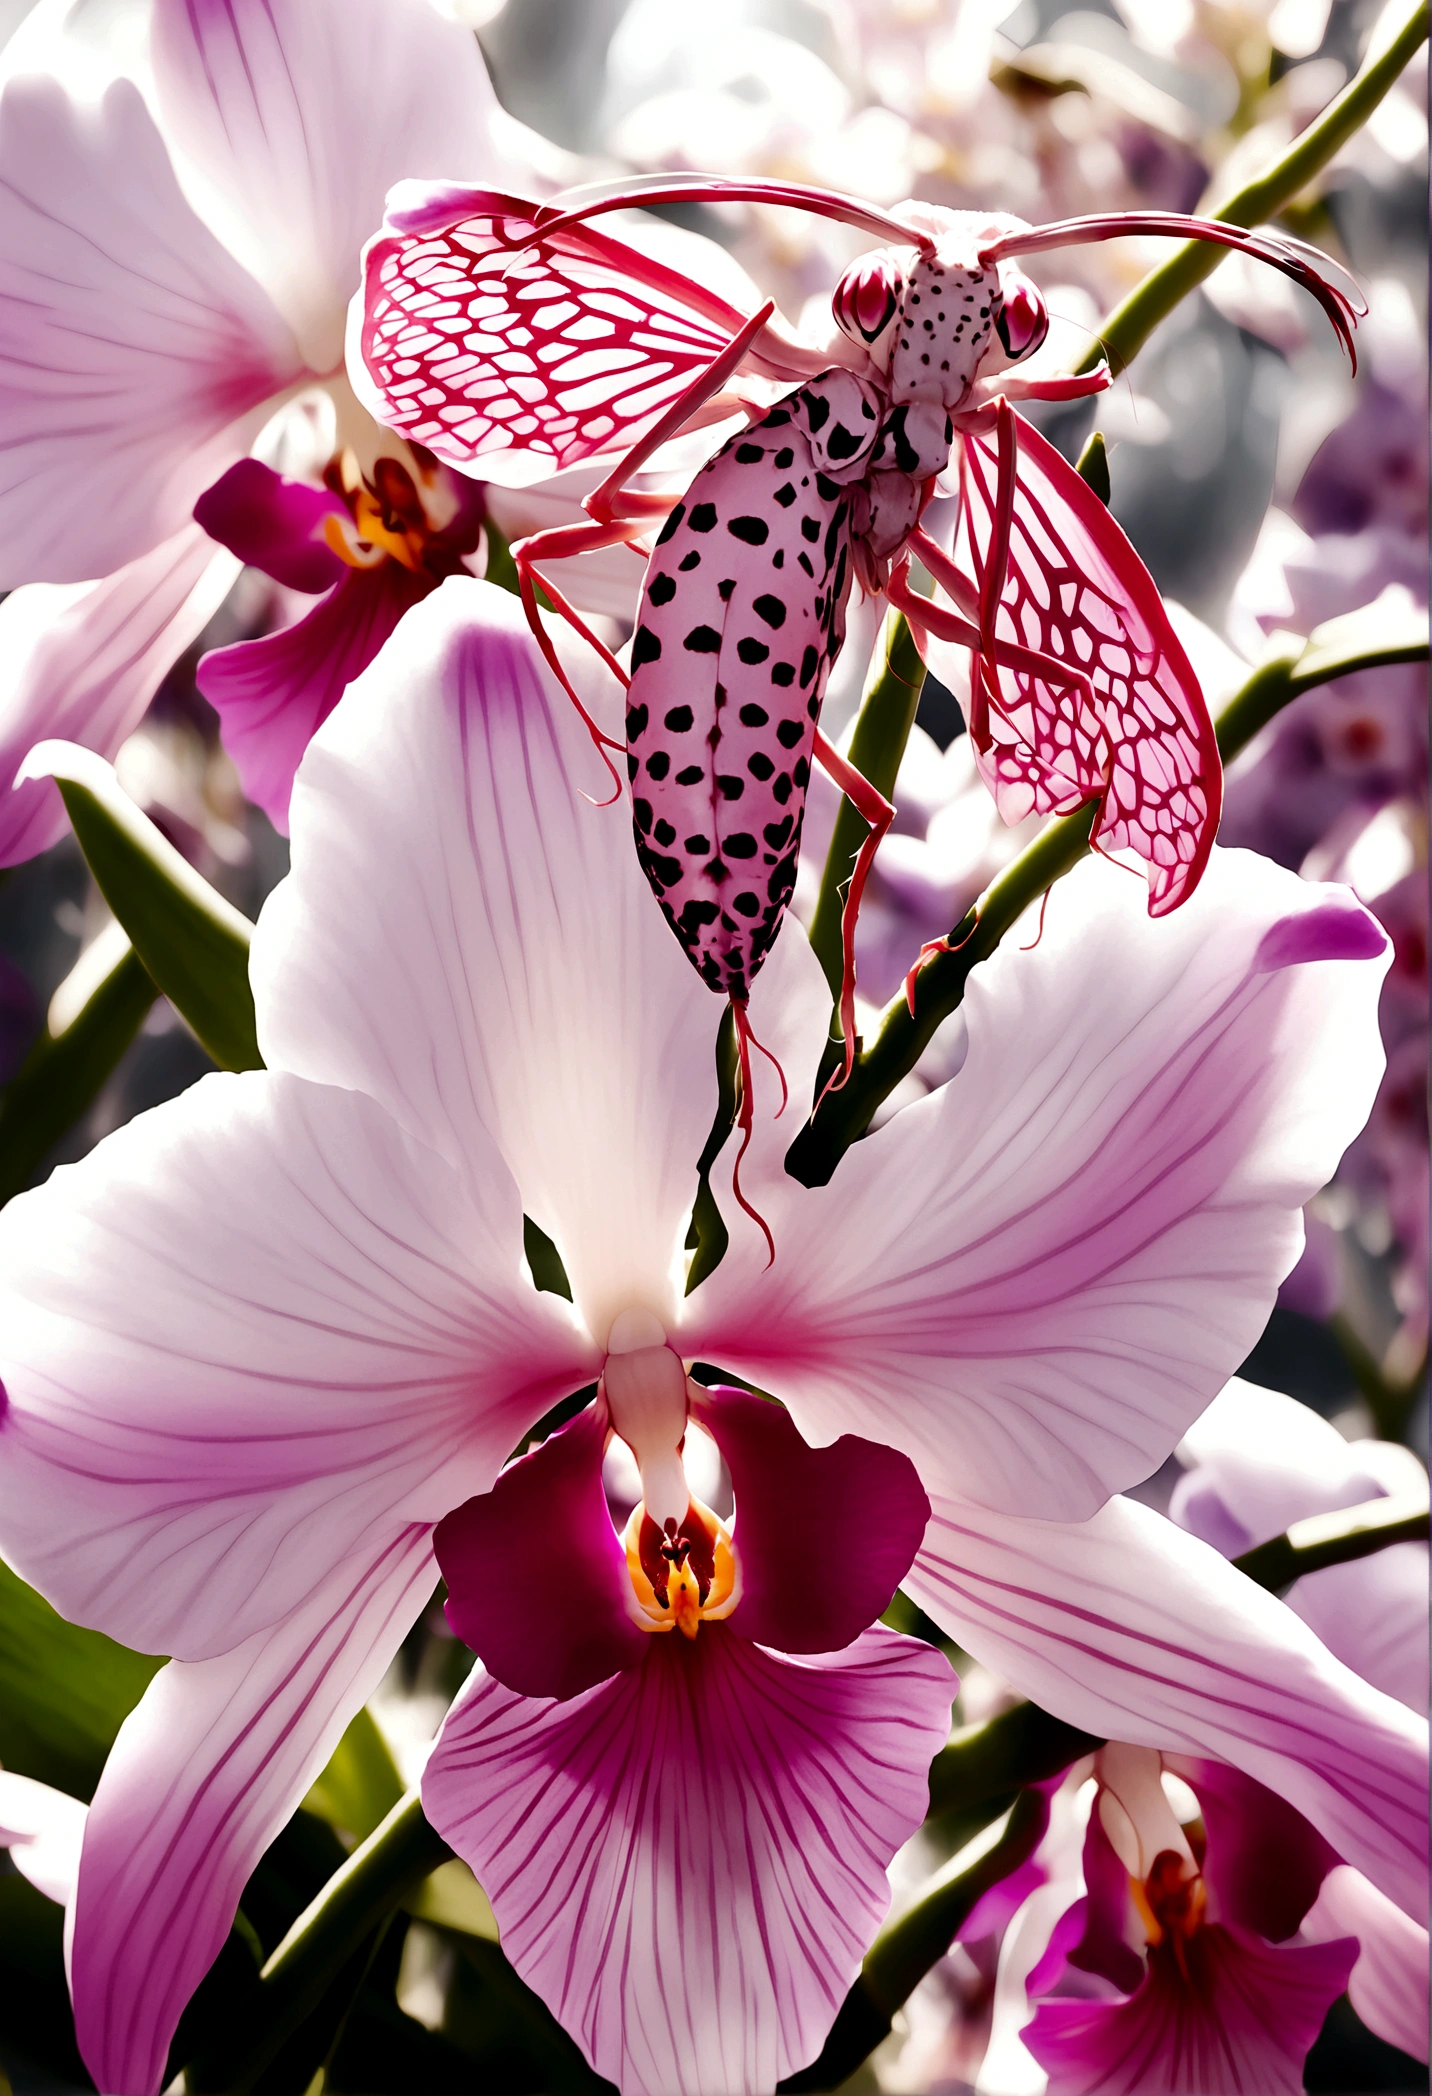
x,y
823,1535
688,1862
273,695
273,524
537,1581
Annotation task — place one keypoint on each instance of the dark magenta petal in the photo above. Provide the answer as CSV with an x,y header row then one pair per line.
x,y
273,524
537,1580
1333,931
1108,1942
273,695
823,1535
1265,1865
1239,2015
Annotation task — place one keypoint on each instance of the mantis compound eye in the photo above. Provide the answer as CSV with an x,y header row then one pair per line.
x,y
866,297
1023,320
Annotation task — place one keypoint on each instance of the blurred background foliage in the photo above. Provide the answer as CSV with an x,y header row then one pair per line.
x,y
1266,489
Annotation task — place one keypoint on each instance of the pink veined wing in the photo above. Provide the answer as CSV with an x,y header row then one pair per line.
x,y
512,355
1075,589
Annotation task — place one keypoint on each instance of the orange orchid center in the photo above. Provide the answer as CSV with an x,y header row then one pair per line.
x,y
386,519
683,1574
1170,1902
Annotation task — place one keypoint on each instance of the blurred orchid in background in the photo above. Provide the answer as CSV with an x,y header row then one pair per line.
x,y
184,218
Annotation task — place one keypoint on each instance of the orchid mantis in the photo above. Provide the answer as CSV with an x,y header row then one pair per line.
x,y
515,339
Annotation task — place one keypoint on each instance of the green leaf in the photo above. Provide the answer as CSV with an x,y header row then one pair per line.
x,y
194,944
361,1785
66,1069
1093,466
64,1692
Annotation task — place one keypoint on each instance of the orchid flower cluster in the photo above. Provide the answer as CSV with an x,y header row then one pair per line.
x,y
540,1505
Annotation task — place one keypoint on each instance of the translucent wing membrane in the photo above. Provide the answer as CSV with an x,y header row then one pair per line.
x,y
511,353
1137,731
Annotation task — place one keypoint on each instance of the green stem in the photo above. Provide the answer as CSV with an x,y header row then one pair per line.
x,y
882,729
900,1037
1337,1539
64,1072
902,1954
1389,1402
394,1859
1123,334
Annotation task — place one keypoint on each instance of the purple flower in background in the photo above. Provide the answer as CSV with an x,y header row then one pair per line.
x,y
684,1837
263,1340
174,268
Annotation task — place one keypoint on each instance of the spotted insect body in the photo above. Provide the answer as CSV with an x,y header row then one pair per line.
x,y
515,340
743,613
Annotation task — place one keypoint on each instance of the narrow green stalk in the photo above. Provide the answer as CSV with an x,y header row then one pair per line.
x,y
394,1859
1123,334
882,729
902,1954
63,1073
1388,1400
1337,1539
900,1036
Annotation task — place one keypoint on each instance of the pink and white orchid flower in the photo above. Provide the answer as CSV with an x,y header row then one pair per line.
x,y
185,199
1162,1950
1178,1957
265,1338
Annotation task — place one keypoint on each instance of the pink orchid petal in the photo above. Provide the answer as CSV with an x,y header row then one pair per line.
x,y
202,1776
1135,1631
249,1328
1063,1253
134,349
823,1535
1264,1864
1263,1461
538,1584
292,120
42,1829
273,694
1245,2019
468,939
81,661
688,1863
1388,1987
274,524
